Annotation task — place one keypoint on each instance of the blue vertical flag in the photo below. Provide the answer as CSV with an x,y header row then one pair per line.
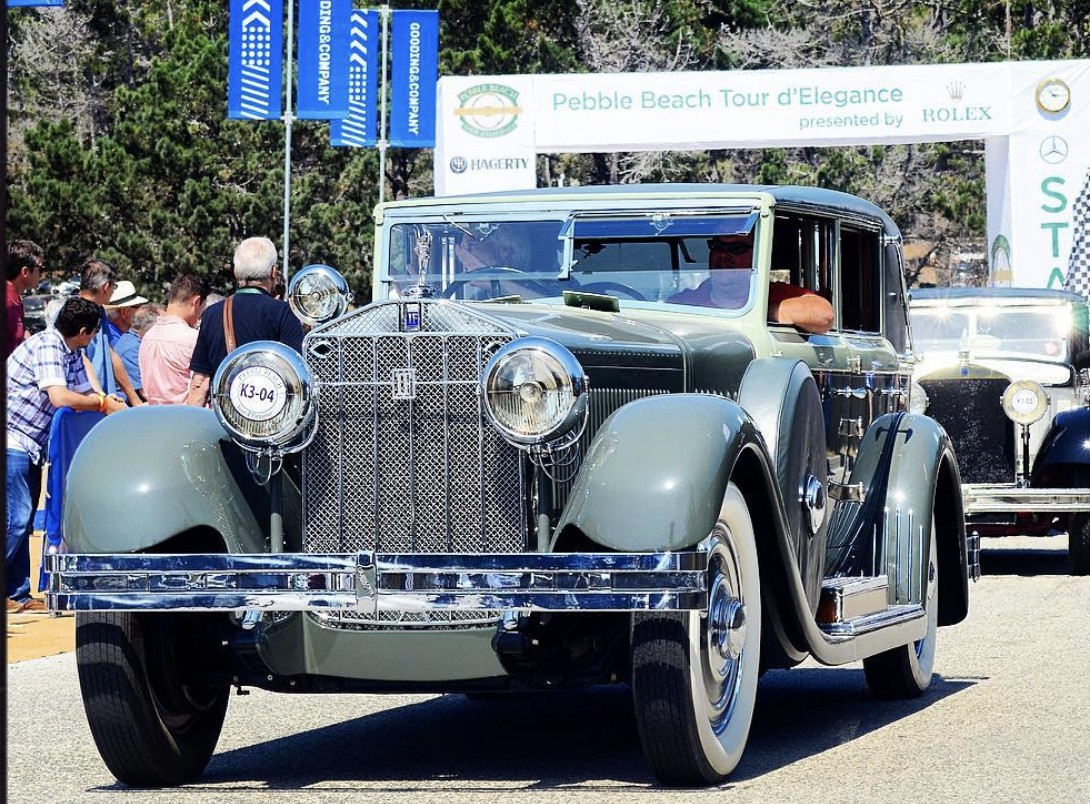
x,y
415,71
364,41
255,59
323,54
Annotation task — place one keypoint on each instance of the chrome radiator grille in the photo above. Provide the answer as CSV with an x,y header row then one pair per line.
x,y
603,401
403,459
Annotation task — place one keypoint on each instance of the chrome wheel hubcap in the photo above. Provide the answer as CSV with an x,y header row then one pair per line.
x,y
726,622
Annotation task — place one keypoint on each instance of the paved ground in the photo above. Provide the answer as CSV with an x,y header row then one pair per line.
x,y
1007,719
32,636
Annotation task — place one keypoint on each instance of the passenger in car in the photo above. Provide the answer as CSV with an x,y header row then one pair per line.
x,y
787,304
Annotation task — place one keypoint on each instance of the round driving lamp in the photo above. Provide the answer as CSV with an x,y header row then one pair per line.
x,y
317,294
262,394
1025,402
535,393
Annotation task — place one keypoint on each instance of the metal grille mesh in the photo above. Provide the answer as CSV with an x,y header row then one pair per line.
x,y
419,474
603,401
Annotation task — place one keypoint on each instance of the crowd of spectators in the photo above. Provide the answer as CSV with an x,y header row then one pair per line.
x,y
109,349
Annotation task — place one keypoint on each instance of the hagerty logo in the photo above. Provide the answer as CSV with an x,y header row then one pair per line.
x,y
459,164
488,110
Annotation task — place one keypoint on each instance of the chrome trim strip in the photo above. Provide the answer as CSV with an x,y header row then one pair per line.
x,y
1003,498
862,625
371,582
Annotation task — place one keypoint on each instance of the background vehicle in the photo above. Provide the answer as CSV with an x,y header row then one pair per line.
x,y
1004,370
573,481
34,312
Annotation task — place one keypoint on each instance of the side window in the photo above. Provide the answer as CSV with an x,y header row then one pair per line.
x,y
860,281
803,252
896,299
788,246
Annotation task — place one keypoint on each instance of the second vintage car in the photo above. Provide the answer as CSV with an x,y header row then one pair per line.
x,y
1004,370
578,477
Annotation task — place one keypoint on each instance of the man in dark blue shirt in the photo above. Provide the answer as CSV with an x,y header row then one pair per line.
x,y
255,314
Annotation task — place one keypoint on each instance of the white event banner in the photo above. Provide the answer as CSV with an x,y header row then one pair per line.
x,y
1040,209
491,129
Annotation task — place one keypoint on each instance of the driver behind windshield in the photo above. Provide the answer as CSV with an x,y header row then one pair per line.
x,y
730,258
497,248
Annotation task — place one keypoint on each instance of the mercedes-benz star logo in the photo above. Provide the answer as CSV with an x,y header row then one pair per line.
x,y
1053,149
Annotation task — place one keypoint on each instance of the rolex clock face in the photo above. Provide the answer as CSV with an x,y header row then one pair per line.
x,y
1053,95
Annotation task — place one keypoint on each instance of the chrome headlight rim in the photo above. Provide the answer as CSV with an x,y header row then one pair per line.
x,y
565,428
263,396
318,294
1025,402
918,401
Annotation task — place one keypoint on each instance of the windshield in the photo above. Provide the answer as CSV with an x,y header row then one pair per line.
x,y
994,331
636,259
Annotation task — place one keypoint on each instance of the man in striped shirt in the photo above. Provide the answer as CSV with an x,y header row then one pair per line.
x,y
45,372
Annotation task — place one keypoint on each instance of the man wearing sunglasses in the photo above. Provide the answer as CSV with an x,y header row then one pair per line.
x,y
728,288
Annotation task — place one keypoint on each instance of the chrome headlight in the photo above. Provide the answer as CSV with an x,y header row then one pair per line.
x,y
1025,402
318,293
535,393
918,399
263,396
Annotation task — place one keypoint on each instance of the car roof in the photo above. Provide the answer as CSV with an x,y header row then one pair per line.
x,y
816,197
969,296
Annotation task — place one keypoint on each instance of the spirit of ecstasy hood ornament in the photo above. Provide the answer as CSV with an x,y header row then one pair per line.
x,y
422,248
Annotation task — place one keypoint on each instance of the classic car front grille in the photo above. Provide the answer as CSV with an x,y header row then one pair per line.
x,y
403,459
602,403
971,412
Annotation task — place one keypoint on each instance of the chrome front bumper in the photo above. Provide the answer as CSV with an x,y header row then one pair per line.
x,y
1010,499
369,582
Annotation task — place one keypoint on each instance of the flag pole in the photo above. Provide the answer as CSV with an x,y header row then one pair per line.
x,y
384,11
288,118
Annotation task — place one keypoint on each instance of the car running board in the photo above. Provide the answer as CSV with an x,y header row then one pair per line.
x,y
858,605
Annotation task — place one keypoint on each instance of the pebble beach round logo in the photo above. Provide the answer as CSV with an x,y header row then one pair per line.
x,y
488,110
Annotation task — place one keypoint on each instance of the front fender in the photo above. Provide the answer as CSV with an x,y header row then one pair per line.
x,y
909,474
655,474
145,475
1066,446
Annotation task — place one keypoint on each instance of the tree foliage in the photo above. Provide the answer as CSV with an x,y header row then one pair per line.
x,y
119,144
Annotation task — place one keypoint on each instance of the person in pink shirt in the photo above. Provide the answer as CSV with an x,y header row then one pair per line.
x,y
167,347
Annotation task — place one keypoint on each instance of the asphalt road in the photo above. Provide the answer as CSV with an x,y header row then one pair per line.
x,y
1007,719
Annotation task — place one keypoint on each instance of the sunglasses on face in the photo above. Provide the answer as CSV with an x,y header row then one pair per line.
x,y
730,248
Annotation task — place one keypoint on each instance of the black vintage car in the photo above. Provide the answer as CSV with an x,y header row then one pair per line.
x,y
1004,370
580,477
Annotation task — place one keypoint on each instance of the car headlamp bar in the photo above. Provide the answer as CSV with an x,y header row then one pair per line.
x,y
670,581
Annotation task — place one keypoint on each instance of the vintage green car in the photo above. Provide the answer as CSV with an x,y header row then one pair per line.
x,y
558,469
